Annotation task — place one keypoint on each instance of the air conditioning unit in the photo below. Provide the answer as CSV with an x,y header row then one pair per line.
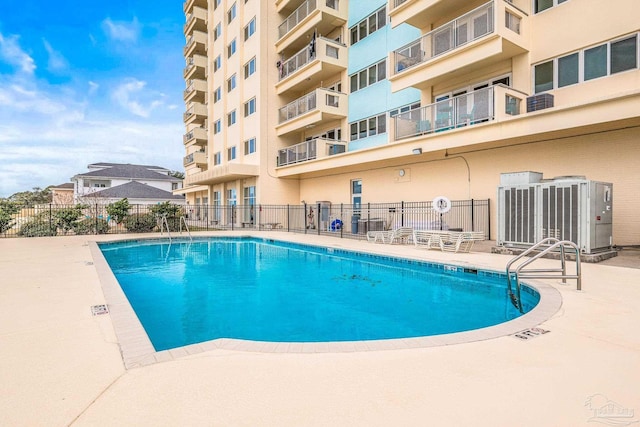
x,y
566,208
539,102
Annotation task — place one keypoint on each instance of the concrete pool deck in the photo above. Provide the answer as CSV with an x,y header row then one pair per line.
x,y
63,366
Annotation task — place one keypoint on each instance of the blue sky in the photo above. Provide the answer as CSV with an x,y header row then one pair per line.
x,y
88,81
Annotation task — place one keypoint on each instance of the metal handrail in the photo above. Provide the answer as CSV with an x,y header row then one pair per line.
x,y
542,273
163,224
184,221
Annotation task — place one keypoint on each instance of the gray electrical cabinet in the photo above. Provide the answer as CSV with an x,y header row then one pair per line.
x,y
566,208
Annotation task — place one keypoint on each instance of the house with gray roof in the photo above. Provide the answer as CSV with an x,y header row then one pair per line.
x,y
140,184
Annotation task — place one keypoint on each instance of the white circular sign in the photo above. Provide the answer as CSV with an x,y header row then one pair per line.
x,y
441,204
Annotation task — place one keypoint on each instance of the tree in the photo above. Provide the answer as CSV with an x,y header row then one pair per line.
x,y
177,174
7,210
119,210
66,218
29,199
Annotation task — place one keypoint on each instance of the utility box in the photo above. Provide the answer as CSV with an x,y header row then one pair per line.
x,y
539,102
566,208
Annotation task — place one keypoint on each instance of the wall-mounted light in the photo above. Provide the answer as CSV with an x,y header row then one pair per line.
x,y
401,172
417,151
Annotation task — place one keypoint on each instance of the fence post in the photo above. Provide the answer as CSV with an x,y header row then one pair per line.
x,y
51,220
342,220
402,215
489,218
472,216
96,220
318,220
304,218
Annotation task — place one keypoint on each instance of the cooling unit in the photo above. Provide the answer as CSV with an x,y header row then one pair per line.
x,y
566,208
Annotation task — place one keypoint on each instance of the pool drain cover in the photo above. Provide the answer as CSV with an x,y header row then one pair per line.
x,y
97,310
530,333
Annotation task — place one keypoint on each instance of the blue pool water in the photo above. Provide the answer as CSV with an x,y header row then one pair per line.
x,y
263,290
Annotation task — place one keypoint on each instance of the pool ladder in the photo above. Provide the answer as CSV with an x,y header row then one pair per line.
x,y
164,224
550,244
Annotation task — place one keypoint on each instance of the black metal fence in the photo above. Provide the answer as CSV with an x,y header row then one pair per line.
x,y
341,220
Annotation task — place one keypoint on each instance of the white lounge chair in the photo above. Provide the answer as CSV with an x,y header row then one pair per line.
x,y
399,235
460,242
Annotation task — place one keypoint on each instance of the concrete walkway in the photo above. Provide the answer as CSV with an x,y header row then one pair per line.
x,y
62,366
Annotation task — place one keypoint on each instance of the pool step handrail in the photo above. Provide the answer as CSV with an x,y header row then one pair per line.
x,y
164,224
183,221
550,244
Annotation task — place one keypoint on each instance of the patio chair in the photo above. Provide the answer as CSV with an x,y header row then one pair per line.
x,y
398,235
427,239
463,242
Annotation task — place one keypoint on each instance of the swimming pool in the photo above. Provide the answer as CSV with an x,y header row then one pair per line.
x,y
264,290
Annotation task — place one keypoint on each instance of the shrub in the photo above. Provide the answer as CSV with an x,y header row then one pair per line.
x,y
38,227
140,223
66,218
91,226
7,210
119,210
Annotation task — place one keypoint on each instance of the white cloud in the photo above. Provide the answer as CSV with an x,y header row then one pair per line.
x,y
12,53
57,62
93,87
131,96
121,30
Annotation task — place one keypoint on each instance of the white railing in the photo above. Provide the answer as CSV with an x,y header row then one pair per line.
x,y
308,54
397,3
462,30
298,107
309,150
298,15
463,110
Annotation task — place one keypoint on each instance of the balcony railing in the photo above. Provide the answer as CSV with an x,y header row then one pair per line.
x,y
306,55
197,157
302,12
465,29
195,133
397,3
298,107
463,110
310,150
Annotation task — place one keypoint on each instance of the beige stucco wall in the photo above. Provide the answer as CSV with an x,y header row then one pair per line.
x,y
609,157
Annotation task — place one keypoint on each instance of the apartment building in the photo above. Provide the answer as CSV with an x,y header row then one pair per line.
x,y
377,101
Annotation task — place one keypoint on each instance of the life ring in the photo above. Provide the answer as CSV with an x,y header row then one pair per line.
x,y
336,224
441,204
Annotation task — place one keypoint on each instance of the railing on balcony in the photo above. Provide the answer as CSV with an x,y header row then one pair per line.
x,y
194,157
302,12
306,55
462,30
298,107
194,133
310,150
462,110
397,3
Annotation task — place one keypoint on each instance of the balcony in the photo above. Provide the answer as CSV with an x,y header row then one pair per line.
x,y
319,16
188,5
309,67
196,67
196,136
196,113
195,91
480,106
196,20
196,44
287,5
315,107
310,150
199,159
487,35
223,173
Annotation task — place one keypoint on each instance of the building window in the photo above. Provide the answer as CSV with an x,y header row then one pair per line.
x,y
231,153
624,54
250,146
598,61
217,63
217,159
568,70
216,4
369,76
368,127
250,29
540,5
396,111
217,32
356,194
231,48
231,13
543,76
217,94
231,118
368,25
249,201
250,107
217,200
231,83
250,67
217,126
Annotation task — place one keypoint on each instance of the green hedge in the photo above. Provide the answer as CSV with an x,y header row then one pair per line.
x,y
140,223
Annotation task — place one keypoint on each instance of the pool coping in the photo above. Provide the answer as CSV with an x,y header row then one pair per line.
x,y
138,351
